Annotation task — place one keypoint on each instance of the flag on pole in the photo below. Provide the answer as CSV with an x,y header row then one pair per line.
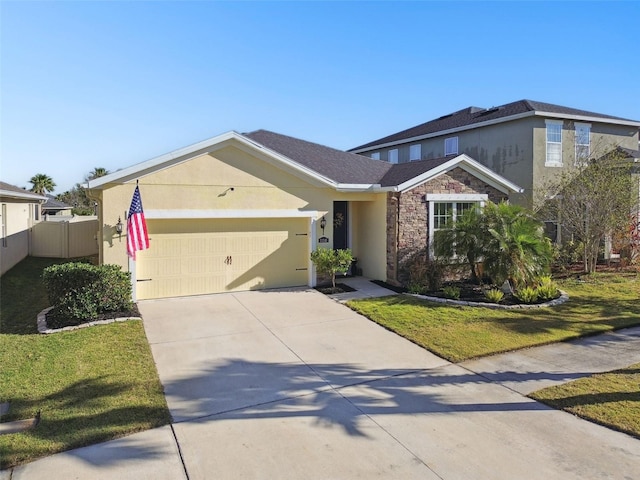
x,y
137,236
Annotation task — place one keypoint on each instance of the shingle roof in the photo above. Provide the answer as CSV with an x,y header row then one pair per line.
x,y
339,166
343,167
7,188
474,115
53,204
403,172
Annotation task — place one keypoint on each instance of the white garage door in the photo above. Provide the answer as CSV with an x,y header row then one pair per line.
x,y
195,257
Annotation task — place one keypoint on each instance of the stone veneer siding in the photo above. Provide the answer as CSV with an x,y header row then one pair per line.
x,y
408,222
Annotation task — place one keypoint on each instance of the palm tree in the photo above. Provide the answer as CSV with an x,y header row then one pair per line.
x,y
97,172
42,184
465,238
516,249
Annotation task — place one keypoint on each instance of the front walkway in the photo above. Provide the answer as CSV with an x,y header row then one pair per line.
x,y
290,384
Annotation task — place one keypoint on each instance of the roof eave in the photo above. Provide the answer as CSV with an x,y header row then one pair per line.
x,y
26,195
449,131
587,118
198,149
509,118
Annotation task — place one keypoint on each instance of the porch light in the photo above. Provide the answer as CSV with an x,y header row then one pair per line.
x,y
119,226
323,223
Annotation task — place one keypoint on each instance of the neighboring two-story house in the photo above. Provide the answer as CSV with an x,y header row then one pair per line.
x,y
524,141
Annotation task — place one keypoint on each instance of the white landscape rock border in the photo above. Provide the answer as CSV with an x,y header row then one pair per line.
x,y
551,303
43,328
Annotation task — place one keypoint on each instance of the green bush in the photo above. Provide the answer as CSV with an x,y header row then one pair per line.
x,y
425,274
451,292
494,295
526,294
81,291
547,288
329,262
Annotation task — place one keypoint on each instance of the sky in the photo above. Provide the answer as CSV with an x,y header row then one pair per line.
x,y
111,84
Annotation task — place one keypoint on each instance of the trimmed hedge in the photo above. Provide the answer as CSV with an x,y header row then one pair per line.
x,y
81,291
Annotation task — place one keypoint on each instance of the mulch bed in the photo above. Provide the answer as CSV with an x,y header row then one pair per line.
x,y
468,293
55,321
340,288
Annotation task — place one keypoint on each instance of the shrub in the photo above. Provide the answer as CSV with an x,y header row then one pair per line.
x,y
527,294
81,291
424,272
547,288
451,292
329,262
567,254
494,295
414,287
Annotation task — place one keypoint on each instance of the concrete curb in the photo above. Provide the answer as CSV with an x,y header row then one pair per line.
x,y
551,303
43,328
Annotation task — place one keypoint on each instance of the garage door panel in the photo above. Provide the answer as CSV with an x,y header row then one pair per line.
x,y
212,256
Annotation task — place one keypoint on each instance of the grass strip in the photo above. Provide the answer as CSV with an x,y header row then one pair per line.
x,y
611,399
91,385
597,303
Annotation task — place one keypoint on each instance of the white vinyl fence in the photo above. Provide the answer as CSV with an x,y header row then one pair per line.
x,y
66,239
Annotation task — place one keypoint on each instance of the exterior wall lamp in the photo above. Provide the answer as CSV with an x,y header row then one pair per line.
x,y
323,223
119,227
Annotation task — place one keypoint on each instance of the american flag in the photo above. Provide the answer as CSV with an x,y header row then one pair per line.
x,y
137,236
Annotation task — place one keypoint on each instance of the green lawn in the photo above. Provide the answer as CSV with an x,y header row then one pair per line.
x,y
90,385
611,399
598,303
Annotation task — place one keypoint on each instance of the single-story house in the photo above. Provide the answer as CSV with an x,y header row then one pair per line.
x,y
244,211
19,210
55,207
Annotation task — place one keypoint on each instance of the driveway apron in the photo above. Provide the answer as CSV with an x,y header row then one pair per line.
x,y
290,384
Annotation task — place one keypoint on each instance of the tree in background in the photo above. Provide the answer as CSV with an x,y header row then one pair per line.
x,y
593,200
42,184
77,196
97,173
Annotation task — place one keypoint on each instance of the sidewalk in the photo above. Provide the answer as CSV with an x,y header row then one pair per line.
x,y
531,369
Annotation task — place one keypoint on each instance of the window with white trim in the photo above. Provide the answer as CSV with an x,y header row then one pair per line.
x,y
554,143
375,156
583,142
445,214
451,146
393,155
415,152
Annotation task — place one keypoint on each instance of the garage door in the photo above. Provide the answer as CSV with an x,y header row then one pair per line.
x,y
195,257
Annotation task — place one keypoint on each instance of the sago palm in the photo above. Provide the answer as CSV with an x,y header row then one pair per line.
x,y
517,249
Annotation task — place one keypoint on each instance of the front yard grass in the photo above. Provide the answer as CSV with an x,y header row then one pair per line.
x,y
611,399
91,385
597,303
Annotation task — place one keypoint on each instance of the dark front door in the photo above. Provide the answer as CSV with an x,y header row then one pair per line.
x,y
340,225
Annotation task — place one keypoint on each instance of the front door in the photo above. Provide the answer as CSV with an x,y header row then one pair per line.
x,y
340,225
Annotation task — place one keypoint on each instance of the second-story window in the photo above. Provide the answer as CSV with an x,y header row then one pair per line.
x,y
375,155
393,155
415,152
554,143
583,142
451,146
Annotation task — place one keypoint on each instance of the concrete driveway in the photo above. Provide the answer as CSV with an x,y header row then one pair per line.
x,y
291,384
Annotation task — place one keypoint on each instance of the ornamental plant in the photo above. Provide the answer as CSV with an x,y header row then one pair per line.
x,y
330,262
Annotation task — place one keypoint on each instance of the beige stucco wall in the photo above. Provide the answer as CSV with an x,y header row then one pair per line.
x,y
369,236
203,183
20,218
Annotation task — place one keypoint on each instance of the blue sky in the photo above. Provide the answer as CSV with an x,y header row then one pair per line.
x,y
110,84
